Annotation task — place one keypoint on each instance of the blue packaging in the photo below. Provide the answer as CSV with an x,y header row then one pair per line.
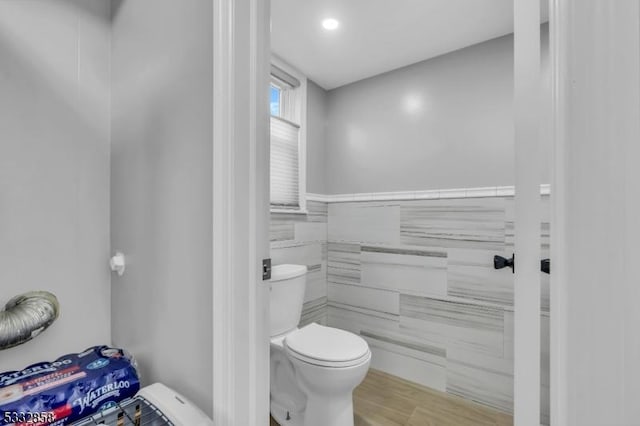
x,y
68,389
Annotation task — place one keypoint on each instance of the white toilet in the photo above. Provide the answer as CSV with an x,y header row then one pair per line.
x,y
314,369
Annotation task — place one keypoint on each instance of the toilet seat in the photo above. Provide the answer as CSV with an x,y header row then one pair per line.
x,y
327,346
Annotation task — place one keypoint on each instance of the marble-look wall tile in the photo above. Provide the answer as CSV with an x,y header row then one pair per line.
x,y
460,325
454,336
545,349
509,332
372,223
283,217
409,345
317,211
545,405
387,301
545,229
428,374
426,365
471,275
484,379
465,223
302,239
545,238
281,231
358,319
310,231
392,351
456,314
343,263
509,237
415,278
545,292
545,368
316,282
314,311
405,251
282,226
430,333
413,270
308,254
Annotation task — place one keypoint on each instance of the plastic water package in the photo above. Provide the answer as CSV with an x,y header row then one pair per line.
x,y
68,389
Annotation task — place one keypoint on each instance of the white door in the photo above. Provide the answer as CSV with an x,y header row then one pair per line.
x,y
595,291
527,115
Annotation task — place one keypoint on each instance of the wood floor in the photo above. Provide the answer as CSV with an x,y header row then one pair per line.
x,y
386,400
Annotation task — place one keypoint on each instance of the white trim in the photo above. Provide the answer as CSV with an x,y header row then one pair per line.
x,y
259,169
285,211
526,298
240,212
505,191
317,197
431,194
223,403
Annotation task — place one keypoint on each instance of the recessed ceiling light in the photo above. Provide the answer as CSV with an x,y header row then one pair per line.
x,y
330,24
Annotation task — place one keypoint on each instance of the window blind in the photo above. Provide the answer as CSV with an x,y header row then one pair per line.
x,y
284,164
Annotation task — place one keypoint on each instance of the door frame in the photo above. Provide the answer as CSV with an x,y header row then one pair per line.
x,y
527,120
558,16
241,219
240,212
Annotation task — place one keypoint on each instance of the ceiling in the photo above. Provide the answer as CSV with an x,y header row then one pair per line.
x,y
376,36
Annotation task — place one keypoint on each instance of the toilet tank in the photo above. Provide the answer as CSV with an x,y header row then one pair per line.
x,y
287,296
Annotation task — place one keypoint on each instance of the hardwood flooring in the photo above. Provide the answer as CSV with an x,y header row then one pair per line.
x,y
386,400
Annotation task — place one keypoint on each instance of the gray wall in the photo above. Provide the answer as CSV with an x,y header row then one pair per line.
x,y
161,190
443,123
54,168
316,138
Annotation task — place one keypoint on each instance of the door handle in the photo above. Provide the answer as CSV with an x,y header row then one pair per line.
x,y
545,266
500,262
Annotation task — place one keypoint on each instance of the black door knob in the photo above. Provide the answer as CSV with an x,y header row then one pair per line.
x,y
545,265
500,262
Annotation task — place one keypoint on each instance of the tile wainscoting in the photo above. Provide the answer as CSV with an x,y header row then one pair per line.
x,y
302,239
415,278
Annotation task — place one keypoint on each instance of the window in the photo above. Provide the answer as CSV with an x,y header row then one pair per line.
x,y
275,100
288,115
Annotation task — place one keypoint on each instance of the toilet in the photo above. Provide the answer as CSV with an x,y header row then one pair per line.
x,y
314,369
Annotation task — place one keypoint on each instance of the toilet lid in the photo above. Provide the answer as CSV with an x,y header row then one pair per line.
x,y
326,344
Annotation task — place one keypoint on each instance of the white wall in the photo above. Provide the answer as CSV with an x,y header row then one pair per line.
x,y
54,168
442,123
595,285
162,190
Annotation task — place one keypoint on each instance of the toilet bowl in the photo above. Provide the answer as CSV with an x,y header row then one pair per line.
x,y
314,369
